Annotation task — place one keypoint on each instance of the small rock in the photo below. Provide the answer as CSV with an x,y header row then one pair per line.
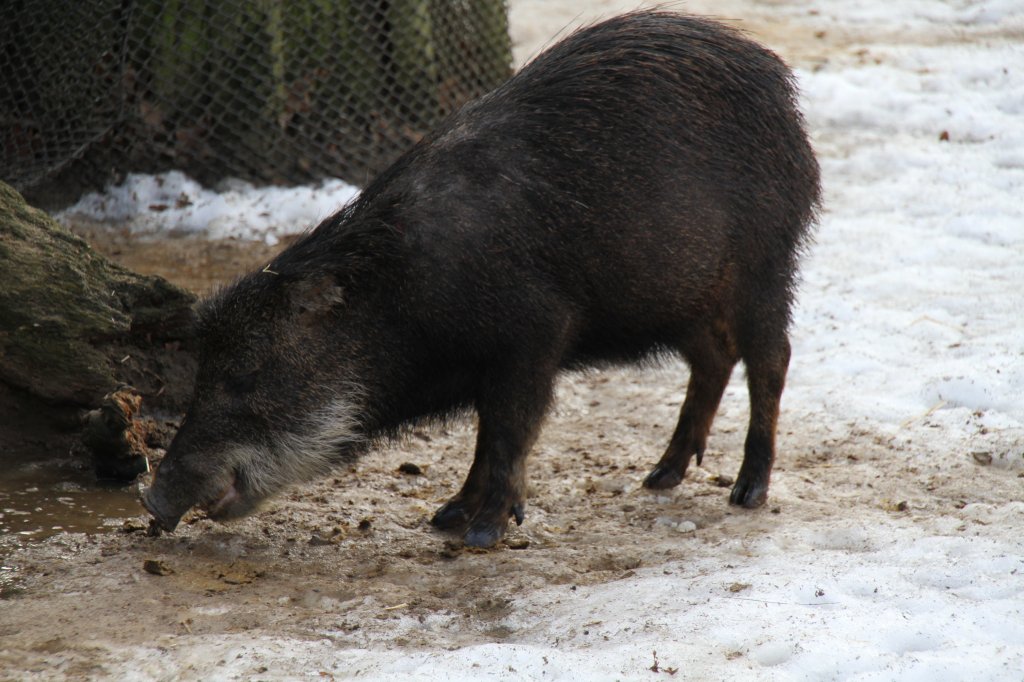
x,y
722,480
317,540
738,587
134,526
452,549
517,543
410,468
983,458
686,527
156,567
678,526
365,525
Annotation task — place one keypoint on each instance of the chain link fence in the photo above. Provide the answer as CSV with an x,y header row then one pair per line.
x,y
270,91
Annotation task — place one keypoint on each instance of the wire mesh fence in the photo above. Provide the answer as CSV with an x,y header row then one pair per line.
x,y
273,91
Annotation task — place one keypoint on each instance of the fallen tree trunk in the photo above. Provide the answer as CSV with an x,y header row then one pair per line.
x,y
75,327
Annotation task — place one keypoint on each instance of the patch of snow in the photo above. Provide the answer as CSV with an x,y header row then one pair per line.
x,y
173,202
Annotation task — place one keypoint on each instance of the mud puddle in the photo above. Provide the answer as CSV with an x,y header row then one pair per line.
x,y
49,495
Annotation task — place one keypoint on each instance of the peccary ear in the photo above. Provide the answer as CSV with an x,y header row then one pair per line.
x,y
316,296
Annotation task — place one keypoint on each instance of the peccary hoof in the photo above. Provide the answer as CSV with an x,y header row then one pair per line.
x,y
484,534
661,478
451,516
749,494
487,533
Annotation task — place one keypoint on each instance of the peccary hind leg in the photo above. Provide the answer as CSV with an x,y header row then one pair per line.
x,y
710,367
767,363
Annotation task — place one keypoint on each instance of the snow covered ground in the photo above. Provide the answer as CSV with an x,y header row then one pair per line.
x,y
910,328
173,202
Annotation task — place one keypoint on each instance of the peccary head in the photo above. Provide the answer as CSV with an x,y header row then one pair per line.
x,y
278,394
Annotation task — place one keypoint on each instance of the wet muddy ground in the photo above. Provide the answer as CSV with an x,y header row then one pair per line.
x,y
352,558
59,494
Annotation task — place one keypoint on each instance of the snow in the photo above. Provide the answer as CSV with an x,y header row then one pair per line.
x,y
919,257
173,202
843,602
910,326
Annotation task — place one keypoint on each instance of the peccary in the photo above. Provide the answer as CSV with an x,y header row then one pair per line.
x,y
643,187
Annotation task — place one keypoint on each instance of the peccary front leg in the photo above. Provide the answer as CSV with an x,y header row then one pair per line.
x,y
767,364
511,407
710,367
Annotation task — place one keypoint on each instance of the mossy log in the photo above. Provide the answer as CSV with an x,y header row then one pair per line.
x,y
74,326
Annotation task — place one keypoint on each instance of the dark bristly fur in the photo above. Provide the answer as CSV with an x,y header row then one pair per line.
x,y
645,186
